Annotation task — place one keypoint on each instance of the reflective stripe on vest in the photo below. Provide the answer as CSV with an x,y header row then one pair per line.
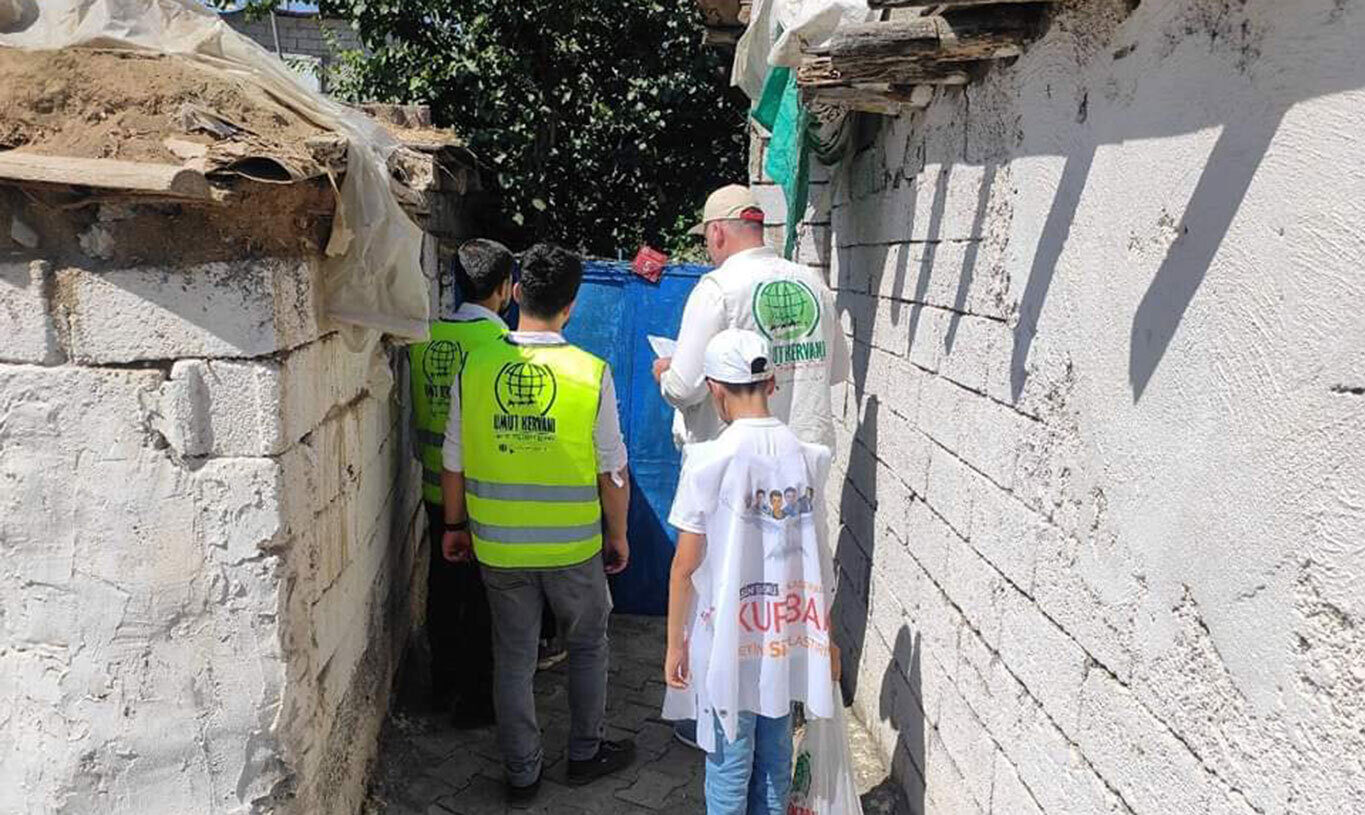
x,y
435,364
530,464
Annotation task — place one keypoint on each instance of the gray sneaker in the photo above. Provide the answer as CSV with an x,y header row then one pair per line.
x,y
551,654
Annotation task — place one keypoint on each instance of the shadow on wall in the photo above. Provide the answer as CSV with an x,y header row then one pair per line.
x,y
855,550
901,703
1246,134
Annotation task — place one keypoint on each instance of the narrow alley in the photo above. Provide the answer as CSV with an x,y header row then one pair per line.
x,y
427,768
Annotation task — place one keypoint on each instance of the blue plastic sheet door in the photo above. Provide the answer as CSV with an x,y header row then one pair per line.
x,y
616,312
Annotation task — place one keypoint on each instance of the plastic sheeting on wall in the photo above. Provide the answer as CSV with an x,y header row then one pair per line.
x,y
780,30
372,269
616,312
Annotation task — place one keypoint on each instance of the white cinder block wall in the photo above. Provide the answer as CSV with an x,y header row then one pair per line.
x,y
1102,464
208,531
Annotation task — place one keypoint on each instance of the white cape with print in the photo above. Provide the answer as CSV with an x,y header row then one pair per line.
x,y
759,636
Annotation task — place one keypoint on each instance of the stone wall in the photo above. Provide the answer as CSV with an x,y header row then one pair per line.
x,y
209,526
1102,491
311,44
302,33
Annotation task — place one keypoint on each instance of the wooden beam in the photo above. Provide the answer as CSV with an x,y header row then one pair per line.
x,y
166,180
964,37
817,72
887,100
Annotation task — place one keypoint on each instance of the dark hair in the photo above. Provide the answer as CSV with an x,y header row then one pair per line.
x,y
742,388
550,276
480,267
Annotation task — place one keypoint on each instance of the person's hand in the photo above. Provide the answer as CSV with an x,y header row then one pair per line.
x,y
676,672
457,546
616,554
836,664
660,365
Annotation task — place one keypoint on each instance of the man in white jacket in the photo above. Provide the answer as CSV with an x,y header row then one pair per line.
x,y
756,289
750,592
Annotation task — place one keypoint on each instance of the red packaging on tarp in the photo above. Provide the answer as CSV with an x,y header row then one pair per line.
x,y
649,263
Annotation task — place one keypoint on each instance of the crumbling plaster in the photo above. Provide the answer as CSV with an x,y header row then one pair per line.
x,y
209,521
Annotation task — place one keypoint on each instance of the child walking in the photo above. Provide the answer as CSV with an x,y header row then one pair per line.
x,y
749,595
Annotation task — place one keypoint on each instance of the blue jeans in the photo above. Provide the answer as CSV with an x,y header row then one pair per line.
x,y
752,774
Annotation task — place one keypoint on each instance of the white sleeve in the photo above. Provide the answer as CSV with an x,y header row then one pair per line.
x,y
452,450
606,432
689,510
703,318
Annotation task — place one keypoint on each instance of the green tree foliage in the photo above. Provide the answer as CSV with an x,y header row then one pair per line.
x,y
601,123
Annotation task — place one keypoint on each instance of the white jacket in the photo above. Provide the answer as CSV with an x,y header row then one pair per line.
x,y
786,302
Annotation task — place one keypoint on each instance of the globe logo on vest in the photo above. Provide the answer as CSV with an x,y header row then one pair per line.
x,y
440,362
525,393
788,312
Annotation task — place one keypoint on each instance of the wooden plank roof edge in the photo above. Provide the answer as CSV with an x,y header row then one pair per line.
x,y
103,173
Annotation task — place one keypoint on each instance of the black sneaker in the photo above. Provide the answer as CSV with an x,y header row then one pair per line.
x,y
611,756
526,794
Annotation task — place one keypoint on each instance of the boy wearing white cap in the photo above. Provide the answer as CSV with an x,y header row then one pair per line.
x,y
751,585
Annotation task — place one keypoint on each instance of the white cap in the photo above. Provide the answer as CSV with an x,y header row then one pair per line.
x,y
736,356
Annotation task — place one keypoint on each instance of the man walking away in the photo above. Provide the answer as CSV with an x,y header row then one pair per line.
x,y
756,289
534,454
749,594
458,630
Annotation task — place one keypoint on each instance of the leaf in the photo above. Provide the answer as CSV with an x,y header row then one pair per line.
x,y
614,107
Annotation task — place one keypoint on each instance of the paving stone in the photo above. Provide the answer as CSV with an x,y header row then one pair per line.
x,y
651,789
653,739
425,767
458,770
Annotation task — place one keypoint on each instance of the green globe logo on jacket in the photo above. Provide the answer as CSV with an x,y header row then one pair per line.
x,y
788,314
786,310
525,389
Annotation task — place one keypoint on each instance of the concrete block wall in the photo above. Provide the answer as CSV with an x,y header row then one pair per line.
x,y
303,34
210,521
1099,478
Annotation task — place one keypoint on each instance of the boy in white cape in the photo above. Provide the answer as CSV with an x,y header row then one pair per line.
x,y
751,587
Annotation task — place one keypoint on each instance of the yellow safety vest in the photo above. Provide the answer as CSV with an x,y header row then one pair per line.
x,y
527,414
435,366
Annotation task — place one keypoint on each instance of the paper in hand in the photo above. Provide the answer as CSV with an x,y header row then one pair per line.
x,y
663,346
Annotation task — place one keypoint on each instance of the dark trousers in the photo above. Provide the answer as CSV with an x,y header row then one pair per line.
x,y
581,602
459,629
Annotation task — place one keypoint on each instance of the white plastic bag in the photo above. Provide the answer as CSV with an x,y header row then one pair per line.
x,y
822,780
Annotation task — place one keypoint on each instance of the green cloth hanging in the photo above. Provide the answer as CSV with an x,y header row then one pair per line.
x,y
779,111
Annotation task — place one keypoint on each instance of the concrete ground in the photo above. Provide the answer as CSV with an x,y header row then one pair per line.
x,y
427,768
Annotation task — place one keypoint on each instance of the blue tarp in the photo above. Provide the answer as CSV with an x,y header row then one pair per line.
x,y
616,311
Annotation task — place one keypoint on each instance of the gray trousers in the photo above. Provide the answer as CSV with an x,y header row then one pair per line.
x,y
581,602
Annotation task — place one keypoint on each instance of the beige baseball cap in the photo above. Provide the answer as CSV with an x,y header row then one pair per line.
x,y
732,202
